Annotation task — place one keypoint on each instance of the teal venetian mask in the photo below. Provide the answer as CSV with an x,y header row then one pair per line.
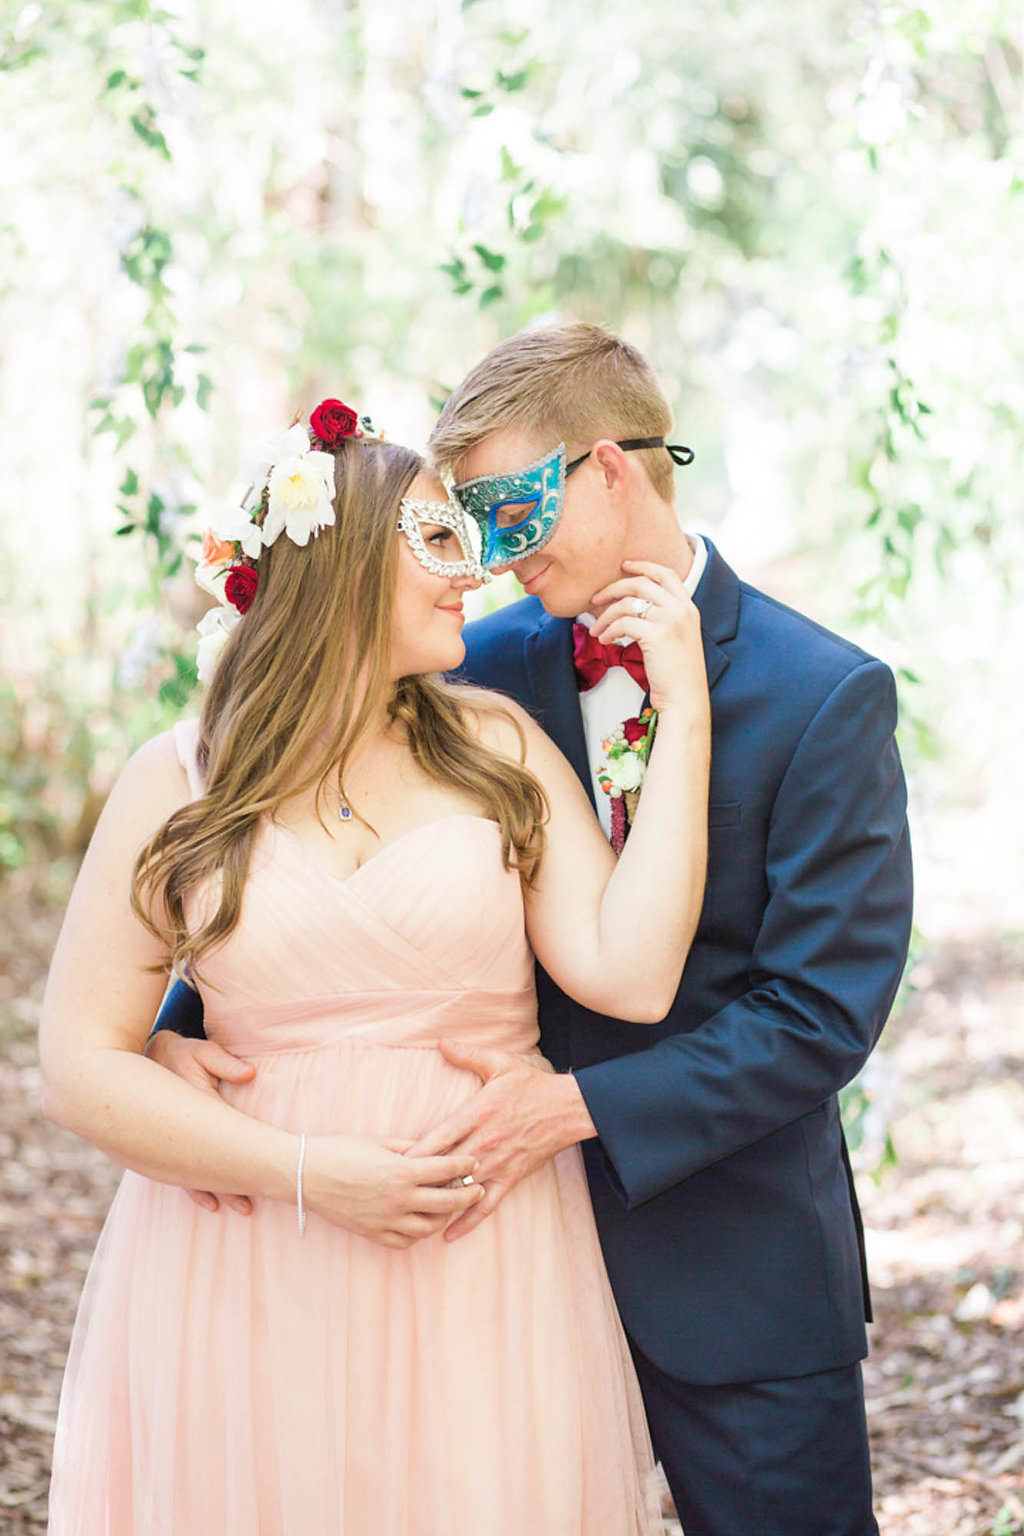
x,y
518,512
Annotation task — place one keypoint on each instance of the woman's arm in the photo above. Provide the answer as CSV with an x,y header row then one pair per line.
x,y
101,995
615,934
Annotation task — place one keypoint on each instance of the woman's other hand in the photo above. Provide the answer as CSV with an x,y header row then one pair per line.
x,y
205,1065
372,1189
667,631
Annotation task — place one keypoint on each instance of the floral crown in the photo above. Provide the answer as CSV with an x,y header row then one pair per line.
x,y
292,491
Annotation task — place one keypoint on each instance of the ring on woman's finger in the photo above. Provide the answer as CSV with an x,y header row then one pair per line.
x,y
640,606
467,1178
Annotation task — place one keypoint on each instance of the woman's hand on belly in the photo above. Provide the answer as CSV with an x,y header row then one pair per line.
x,y
371,1189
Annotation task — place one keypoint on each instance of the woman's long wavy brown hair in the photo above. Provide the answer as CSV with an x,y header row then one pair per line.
x,y
271,727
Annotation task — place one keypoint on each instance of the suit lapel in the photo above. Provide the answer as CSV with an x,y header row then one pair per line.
x,y
556,700
718,599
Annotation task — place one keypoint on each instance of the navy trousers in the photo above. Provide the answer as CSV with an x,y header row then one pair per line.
x,y
764,1458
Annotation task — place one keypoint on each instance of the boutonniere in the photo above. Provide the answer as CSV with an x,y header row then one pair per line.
x,y
621,775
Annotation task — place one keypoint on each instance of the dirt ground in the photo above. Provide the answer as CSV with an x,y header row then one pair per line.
x,y
945,1230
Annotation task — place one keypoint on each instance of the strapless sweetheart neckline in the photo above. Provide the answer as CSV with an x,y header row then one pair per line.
x,y
395,842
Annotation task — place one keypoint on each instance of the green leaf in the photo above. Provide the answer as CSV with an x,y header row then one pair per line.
x,y
119,533
130,484
514,82
491,295
492,260
134,359
116,78
204,389
471,95
144,124
195,347
483,110
532,233
510,171
179,688
546,206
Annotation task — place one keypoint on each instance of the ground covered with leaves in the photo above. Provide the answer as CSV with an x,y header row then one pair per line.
x,y
945,1232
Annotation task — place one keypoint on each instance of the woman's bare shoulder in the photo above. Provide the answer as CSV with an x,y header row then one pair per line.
x,y
500,722
153,782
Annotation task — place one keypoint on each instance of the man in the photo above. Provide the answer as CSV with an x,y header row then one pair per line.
x,y
712,1141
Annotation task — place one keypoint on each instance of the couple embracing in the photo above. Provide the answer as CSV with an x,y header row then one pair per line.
x,y
508,1059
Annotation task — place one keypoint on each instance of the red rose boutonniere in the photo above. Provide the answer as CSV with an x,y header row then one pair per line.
x,y
621,775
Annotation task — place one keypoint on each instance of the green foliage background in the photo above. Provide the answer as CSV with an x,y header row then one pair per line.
x,y
808,214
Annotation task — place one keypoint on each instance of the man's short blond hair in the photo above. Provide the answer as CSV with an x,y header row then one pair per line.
x,y
562,383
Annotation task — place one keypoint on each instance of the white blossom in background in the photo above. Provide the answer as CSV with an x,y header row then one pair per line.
x,y
143,649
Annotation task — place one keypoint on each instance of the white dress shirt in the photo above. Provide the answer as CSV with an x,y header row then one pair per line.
x,y
617,697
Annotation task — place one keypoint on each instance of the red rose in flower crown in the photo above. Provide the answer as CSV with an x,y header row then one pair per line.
x,y
332,422
634,730
240,587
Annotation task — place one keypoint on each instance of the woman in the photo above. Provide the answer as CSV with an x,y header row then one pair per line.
x,y
353,859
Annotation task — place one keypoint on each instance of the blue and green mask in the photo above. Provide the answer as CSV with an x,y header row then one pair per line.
x,y
518,512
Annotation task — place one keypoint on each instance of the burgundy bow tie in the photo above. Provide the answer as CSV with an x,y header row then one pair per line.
x,y
592,659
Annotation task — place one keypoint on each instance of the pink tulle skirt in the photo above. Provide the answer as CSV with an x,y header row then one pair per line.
x,y
227,1378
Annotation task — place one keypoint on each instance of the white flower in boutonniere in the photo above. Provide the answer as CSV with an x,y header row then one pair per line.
x,y
300,491
624,771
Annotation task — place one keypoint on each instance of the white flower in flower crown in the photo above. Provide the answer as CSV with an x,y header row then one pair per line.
x,y
301,500
282,445
626,772
212,578
214,628
236,525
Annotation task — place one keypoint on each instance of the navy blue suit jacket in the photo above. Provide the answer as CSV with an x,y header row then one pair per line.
x,y
719,1177
719,1180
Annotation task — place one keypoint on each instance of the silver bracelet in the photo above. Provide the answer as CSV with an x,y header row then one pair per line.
x,y
298,1184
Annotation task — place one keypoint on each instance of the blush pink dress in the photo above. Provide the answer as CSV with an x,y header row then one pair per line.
x,y
229,1378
